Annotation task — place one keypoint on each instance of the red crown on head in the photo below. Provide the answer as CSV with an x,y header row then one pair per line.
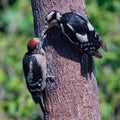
x,y
32,43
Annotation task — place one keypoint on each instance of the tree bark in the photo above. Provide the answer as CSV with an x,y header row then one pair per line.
x,y
73,96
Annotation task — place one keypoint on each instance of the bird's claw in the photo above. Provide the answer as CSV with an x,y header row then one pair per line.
x,y
50,78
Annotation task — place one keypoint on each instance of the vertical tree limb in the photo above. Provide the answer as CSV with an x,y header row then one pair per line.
x,y
72,97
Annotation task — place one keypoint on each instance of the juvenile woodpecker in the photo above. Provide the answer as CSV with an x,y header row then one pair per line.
x,y
35,70
53,18
78,30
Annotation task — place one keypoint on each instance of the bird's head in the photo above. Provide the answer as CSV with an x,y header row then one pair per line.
x,y
53,17
34,45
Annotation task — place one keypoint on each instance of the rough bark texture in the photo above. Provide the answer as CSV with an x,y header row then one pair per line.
x,y
72,96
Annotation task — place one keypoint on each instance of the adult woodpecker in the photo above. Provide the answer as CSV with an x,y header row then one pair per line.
x,y
35,70
78,30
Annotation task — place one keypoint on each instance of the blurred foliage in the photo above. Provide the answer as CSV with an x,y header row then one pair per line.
x,y
16,28
105,15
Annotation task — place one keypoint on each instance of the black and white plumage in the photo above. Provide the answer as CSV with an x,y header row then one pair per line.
x,y
53,18
79,31
35,70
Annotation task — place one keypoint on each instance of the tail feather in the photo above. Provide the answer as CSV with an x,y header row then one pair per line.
x,y
35,98
39,100
96,54
41,104
103,46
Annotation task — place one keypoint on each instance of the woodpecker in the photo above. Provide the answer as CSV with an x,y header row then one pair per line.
x,y
53,18
78,31
35,70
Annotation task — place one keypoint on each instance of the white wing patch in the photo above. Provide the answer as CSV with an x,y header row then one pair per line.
x,y
70,27
91,28
82,38
61,25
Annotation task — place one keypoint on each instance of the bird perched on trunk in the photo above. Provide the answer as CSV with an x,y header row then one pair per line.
x,y
35,70
78,30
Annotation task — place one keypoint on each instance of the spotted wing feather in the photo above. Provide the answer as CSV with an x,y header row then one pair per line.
x,y
33,79
81,32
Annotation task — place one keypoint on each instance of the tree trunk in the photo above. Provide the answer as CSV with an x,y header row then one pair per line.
x,y
74,96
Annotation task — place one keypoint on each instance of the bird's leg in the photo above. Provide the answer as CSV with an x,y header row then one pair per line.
x,y
41,104
50,78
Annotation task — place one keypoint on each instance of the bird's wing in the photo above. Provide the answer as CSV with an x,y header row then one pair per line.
x,y
32,67
33,75
78,23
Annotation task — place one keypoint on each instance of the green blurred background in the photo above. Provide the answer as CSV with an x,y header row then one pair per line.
x,y
16,28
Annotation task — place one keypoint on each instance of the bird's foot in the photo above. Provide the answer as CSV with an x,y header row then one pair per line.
x,y
50,78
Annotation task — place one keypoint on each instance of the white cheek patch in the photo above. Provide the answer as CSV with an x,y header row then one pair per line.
x,y
70,27
82,38
49,16
58,16
91,28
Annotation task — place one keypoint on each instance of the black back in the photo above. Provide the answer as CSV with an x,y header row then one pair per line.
x,y
80,26
76,21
